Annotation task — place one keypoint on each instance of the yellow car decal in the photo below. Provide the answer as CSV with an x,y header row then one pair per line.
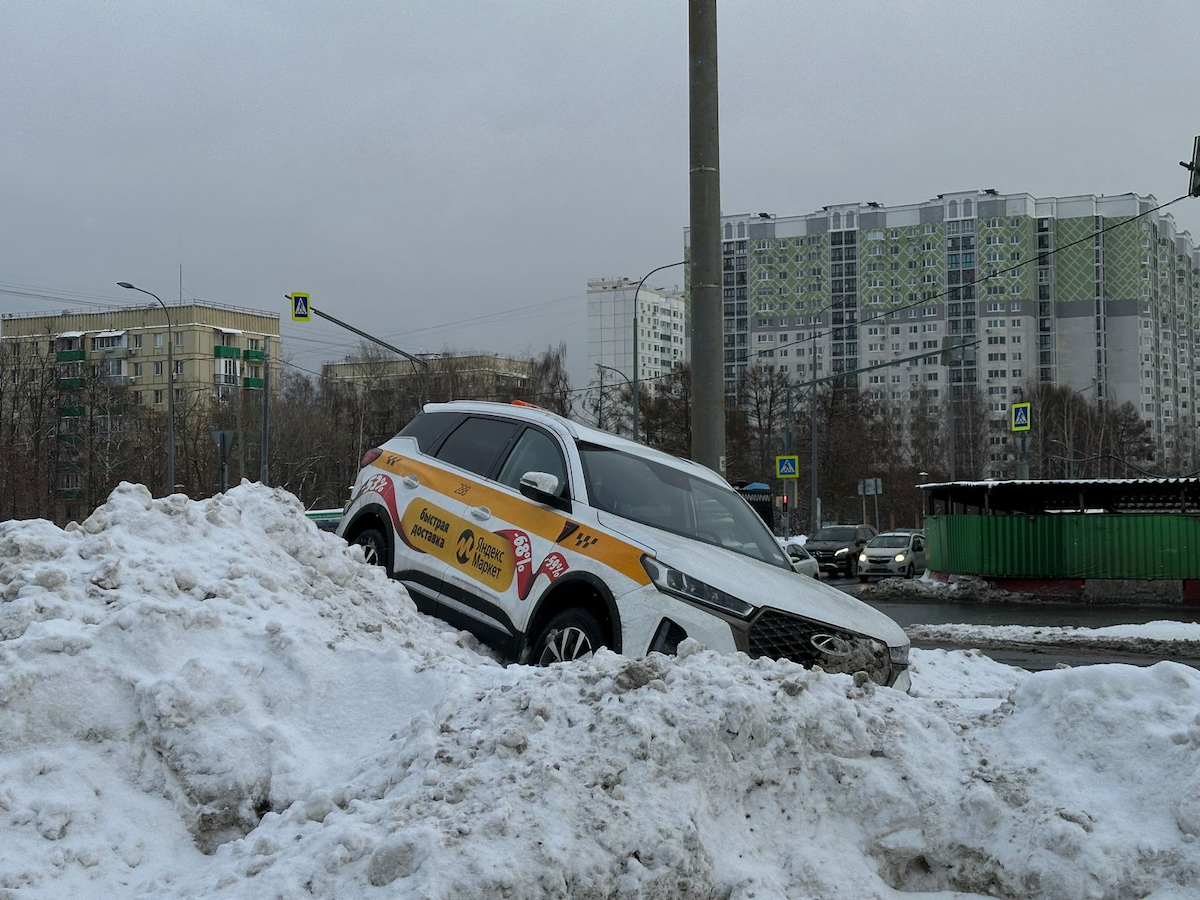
x,y
545,523
486,557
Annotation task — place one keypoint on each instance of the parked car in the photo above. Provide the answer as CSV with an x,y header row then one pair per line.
x,y
549,539
836,547
802,561
894,553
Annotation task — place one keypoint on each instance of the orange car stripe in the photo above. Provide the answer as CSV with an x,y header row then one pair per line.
x,y
545,523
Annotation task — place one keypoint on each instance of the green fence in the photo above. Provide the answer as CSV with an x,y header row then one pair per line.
x,y
1065,546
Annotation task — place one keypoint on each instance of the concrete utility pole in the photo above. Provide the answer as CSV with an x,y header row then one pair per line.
x,y
708,408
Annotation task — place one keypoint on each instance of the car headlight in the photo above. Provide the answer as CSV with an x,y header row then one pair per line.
x,y
899,557
844,551
676,583
898,655
862,557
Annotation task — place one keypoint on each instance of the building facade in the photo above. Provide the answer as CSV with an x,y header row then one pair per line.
x,y
470,376
1028,290
108,370
652,347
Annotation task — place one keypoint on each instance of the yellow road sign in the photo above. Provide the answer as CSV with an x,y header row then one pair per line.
x,y
1021,417
300,311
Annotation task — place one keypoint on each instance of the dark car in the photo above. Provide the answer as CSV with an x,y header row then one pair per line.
x,y
836,547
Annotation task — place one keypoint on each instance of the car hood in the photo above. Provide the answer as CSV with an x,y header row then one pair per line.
x,y
827,545
760,583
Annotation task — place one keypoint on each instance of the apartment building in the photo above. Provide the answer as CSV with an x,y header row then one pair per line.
x,y
452,376
1035,289
651,347
103,364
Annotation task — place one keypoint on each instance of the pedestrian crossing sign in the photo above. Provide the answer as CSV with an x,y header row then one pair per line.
x,y
787,467
300,312
1021,417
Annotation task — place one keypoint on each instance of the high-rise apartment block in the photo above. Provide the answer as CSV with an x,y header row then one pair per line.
x,y
1037,289
659,340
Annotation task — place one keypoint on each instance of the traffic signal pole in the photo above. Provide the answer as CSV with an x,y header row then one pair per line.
x,y
415,360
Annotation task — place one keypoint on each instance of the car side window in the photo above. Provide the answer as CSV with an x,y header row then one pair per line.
x,y
476,444
534,451
864,534
918,544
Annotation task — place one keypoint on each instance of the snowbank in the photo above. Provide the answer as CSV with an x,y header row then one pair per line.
x,y
214,699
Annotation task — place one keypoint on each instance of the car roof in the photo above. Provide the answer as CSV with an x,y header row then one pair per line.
x,y
907,532
574,430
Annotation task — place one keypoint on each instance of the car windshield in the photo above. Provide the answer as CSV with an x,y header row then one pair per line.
x,y
889,540
838,533
663,496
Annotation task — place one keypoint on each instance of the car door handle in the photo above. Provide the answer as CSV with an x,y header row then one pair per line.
x,y
412,481
482,513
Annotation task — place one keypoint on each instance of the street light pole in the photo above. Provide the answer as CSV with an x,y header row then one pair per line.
x,y
634,386
170,386
623,378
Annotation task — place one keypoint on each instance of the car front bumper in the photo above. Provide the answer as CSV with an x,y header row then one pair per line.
x,y
882,569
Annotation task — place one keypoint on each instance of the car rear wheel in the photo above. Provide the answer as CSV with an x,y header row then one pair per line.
x,y
570,635
375,547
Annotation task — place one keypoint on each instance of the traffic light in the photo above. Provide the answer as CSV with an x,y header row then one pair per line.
x,y
785,499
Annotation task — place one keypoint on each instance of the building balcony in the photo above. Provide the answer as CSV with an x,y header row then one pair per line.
x,y
222,379
221,352
253,383
254,354
70,412
70,355
70,384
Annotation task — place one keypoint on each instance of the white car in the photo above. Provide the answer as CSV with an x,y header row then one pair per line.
x,y
802,561
549,539
894,553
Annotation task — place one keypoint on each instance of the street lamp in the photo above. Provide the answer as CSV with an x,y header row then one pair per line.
x,y
635,338
623,378
170,385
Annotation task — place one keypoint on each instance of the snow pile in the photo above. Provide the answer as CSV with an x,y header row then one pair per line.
x,y
1165,639
213,699
170,670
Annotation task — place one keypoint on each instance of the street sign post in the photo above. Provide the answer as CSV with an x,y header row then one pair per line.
x,y
223,437
300,308
787,467
1021,421
870,487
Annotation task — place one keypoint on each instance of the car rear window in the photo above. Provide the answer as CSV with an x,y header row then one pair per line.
x,y
475,445
427,428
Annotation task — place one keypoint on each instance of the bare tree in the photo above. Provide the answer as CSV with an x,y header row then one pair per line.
x,y
549,383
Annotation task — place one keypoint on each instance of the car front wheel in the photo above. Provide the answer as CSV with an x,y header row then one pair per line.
x,y
570,635
375,548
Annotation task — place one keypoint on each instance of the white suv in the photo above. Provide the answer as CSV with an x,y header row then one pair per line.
x,y
548,539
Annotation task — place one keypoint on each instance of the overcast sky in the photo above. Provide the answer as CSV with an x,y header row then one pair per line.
x,y
418,166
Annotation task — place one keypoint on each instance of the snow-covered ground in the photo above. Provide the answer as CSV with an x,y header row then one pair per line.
x,y
214,699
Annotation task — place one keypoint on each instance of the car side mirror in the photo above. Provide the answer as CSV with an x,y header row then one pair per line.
x,y
542,487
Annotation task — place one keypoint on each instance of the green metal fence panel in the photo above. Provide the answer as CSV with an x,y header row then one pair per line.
x,y
1065,546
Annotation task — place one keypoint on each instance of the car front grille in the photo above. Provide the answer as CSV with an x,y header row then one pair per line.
x,y
779,635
